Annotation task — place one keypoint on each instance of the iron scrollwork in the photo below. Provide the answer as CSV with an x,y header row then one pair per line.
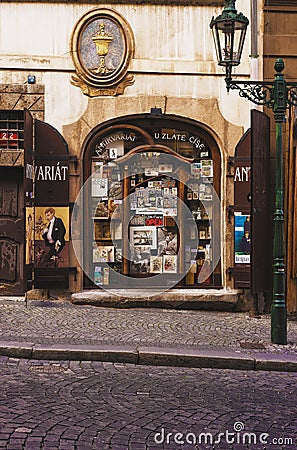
x,y
292,94
257,92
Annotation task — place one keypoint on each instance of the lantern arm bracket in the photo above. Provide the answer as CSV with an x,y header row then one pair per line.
x,y
260,93
263,93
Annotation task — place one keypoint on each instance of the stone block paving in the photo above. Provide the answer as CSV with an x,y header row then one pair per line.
x,y
63,323
73,405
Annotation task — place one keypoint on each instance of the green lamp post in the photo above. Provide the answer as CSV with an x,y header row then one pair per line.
x,y
229,30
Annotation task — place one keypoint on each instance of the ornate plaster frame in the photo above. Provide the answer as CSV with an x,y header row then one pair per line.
x,y
113,81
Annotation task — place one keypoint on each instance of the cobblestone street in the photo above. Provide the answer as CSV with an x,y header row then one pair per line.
x,y
67,323
86,405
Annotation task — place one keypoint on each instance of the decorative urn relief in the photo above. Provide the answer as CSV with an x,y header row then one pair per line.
x,y
102,46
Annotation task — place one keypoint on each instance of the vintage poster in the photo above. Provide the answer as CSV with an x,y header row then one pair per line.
x,y
242,238
98,278
51,235
167,241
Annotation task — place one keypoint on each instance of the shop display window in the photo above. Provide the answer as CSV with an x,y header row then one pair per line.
x,y
139,227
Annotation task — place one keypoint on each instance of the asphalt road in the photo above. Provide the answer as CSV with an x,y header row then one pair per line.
x,y
95,405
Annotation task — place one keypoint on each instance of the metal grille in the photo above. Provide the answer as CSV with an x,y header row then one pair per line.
x,y
11,130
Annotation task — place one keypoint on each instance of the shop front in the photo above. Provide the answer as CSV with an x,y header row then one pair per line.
x,y
149,213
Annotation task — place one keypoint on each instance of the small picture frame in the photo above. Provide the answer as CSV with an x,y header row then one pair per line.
x,y
156,264
143,236
170,263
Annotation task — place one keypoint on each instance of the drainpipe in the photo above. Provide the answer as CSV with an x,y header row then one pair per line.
x,y
254,41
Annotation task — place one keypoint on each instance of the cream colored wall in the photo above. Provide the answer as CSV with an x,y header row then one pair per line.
x,y
174,54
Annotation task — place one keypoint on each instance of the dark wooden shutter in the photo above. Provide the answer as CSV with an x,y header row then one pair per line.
x,y
28,196
262,218
242,205
11,231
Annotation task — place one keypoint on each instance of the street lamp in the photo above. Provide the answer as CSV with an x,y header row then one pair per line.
x,y
229,31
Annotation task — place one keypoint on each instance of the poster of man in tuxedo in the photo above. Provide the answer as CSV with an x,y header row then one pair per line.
x,y
51,237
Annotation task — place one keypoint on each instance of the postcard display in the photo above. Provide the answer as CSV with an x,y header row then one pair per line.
x,y
154,239
107,234
199,197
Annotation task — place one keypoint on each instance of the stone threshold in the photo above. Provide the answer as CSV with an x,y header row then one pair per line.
x,y
203,299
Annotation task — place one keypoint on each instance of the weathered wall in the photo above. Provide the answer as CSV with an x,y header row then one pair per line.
x,y
174,68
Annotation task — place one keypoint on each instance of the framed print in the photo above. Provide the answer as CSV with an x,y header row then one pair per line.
x,y
143,236
140,259
169,263
207,168
98,279
102,210
99,186
156,264
103,253
196,169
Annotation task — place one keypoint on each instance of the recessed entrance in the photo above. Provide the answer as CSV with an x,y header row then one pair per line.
x,y
150,214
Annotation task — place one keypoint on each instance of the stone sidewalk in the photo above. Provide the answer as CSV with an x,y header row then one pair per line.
x,y
60,330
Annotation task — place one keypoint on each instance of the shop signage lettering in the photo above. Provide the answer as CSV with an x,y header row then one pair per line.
x,y
171,137
195,140
47,172
113,138
29,171
242,174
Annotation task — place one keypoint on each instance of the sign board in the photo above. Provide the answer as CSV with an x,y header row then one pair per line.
x,y
47,207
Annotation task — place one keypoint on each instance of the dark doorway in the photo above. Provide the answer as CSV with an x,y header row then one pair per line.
x,y
11,231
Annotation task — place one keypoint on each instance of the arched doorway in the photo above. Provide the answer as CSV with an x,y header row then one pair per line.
x,y
150,216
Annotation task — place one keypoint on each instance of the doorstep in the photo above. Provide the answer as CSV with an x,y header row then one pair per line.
x,y
203,299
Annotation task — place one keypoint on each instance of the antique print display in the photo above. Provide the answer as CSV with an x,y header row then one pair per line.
x,y
152,248
103,253
101,275
157,195
152,201
106,201
169,264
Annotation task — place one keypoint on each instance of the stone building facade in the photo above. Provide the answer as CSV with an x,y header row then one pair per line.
x,y
104,75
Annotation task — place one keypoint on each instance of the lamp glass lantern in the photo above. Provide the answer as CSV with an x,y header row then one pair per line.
x,y
229,30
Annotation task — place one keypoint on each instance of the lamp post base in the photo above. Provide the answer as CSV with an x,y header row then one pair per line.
x,y
279,325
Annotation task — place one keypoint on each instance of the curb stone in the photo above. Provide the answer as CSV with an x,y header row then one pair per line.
x,y
160,356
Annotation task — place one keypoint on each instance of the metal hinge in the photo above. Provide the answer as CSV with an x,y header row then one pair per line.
x,y
230,272
230,211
